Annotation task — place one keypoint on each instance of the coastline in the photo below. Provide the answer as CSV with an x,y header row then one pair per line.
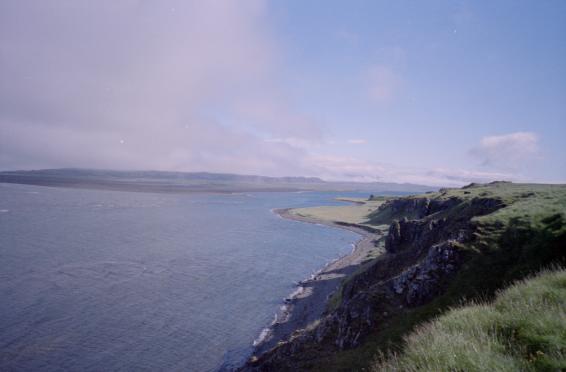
x,y
309,300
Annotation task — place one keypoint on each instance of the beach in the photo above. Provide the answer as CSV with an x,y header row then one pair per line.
x,y
308,302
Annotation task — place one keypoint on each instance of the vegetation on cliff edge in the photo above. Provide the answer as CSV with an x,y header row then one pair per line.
x,y
524,329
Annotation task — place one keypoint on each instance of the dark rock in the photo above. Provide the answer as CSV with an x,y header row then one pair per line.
x,y
423,281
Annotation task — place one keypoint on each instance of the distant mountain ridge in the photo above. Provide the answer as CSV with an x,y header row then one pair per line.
x,y
164,175
165,181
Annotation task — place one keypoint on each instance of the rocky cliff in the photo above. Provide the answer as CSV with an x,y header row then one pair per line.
x,y
434,243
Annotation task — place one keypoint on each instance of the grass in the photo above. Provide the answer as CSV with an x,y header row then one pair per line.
x,y
352,199
352,214
521,200
524,329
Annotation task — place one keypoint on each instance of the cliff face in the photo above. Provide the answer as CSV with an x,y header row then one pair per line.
x,y
422,255
430,241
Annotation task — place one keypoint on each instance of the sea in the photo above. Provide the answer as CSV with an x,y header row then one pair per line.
x,y
94,280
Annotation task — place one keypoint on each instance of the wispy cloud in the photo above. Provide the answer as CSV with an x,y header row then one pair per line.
x,y
458,177
384,84
357,141
344,168
139,84
507,151
300,143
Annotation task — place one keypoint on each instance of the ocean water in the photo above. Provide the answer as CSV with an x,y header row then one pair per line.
x,y
104,281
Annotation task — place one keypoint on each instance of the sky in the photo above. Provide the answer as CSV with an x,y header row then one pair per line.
x,y
430,92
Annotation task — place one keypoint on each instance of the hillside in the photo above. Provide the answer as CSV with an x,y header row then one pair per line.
x,y
523,329
180,182
442,248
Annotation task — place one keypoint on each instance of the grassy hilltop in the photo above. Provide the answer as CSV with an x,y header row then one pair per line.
x,y
526,230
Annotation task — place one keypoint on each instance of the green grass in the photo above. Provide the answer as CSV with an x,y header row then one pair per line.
x,y
352,214
380,197
521,200
524,329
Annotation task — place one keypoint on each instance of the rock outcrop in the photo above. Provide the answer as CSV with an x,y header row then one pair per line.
x,y
422,282
424,250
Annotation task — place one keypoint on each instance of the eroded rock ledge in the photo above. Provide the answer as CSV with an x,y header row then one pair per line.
x,y
424,250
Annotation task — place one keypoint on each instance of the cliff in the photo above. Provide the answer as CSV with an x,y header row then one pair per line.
x,y
442,248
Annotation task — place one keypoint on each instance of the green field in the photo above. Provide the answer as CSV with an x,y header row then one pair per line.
x,y
356,213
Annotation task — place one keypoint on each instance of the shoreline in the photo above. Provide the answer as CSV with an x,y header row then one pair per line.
x,y
308,302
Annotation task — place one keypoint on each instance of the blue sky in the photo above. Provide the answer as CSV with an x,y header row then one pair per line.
x,y
461,71
437,92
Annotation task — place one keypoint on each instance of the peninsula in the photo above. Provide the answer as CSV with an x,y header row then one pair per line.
x,y
420,257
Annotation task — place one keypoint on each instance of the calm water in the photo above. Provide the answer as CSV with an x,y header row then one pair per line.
x,y
103,281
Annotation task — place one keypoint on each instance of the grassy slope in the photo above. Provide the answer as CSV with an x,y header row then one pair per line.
x,y
524,329
515,241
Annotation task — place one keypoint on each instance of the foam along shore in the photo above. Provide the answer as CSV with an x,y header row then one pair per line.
x,y
308,302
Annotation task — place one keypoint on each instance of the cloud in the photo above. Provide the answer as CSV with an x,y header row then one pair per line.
x,y
508,151
340,168
172,85
459,177
179,85
357,141
299,143
344,168
384,84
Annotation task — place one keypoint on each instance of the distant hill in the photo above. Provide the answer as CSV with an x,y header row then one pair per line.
x,y
179,182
